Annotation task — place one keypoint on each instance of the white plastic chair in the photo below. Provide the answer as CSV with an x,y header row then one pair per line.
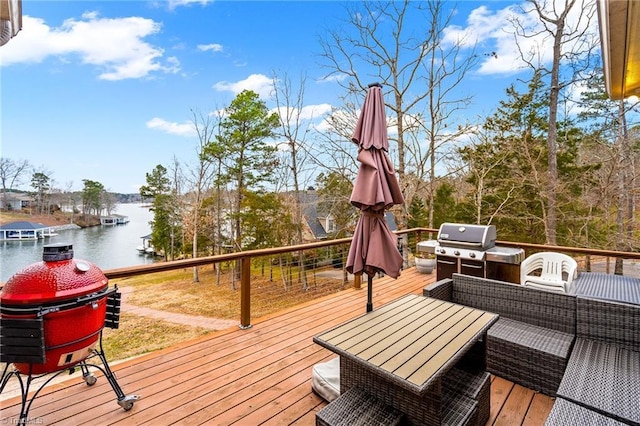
x,y
553,271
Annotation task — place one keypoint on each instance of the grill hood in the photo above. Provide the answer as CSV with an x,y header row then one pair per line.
x,y
480,237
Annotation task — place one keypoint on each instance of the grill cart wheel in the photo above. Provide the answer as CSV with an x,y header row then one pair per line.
x,y
127,402
90,379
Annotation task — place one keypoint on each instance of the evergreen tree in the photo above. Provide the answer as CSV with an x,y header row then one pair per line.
x,y
418,214
250,161
92,194
334,191
41,184
512,190
445,208
163,225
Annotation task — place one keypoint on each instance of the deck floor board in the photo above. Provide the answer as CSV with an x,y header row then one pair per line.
x,y
261,375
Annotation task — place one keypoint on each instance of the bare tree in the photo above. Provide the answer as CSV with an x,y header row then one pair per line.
x,y
479,167
418,70
216,153
444,70
626,177
109,201
332,150
11,172
368,53
199,177
176,212
567,27
70,199
294,128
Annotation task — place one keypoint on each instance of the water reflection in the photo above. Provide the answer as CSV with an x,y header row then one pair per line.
x,y
107,246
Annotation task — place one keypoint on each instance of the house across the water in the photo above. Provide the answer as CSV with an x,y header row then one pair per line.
x,y
16,231
114,219
14,201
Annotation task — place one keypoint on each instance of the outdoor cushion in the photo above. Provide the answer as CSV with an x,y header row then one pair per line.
x,y
325,379
604,378
567,413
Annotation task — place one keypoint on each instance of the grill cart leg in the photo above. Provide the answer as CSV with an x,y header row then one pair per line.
x,y
88,377
125,401
25,386
22,341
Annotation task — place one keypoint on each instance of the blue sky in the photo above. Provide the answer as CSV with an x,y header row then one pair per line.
x,y
103,90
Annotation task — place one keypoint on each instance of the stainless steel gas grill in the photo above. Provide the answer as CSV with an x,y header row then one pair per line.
x,y
471,250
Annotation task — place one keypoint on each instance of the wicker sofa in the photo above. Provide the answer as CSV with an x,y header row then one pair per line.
x,y
531,342
602,380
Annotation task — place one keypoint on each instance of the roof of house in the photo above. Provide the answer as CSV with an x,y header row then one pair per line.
x,y
311,212
13,196
309,200
22,225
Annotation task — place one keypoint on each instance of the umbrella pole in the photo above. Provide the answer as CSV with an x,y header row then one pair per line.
x,y
369,293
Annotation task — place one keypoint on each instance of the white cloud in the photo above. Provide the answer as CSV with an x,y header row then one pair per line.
x,y
259,83
185,129
338,120
493,32
213,46
309,112
332,78
172,4
116,46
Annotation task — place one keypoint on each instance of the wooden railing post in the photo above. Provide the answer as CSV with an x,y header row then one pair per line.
x,y
245,292
357,280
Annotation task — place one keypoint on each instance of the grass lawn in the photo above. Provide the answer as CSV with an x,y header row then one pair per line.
x,y
212,296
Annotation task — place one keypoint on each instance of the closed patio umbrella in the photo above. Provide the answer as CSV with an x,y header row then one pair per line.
x,y
374,247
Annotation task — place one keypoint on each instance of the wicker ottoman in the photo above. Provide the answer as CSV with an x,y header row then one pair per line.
x,y
475,385
533,356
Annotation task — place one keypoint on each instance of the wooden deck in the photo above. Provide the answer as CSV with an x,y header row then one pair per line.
x,y
245,377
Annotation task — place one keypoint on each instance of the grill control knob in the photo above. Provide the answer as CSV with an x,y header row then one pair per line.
x,y
472,255
456,252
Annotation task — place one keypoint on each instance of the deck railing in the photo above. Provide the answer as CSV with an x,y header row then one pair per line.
x,y
245,258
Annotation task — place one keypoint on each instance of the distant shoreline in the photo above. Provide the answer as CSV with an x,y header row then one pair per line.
x,y
57,219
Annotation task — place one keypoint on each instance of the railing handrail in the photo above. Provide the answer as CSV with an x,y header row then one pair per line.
x,y
207,260
567,249
244,257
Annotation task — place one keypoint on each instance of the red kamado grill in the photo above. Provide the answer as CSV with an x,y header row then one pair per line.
x,y
51,318
471,250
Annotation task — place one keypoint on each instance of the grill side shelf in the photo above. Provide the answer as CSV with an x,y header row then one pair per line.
x,y
22,340
112,318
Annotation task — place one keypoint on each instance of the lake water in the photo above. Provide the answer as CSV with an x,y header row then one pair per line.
x,y
107,247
